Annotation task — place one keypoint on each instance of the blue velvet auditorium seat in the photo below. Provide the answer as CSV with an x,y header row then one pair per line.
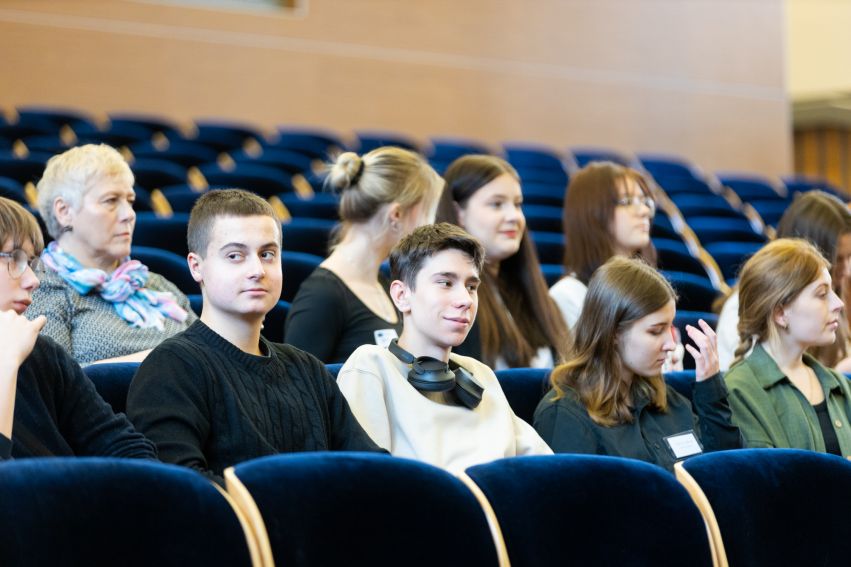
x,y
297,266
592,510
261,179
112,381
167,264
524,388
731,256
694,293
338,508
778,507
549,246
674,256
307,235
95,512
164,233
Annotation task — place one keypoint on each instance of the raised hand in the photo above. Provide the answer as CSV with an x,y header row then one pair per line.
x,y
706,354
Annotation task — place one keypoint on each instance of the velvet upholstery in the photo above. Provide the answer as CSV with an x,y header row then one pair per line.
x,y
694,292
297,267
778,507
169,265
164,233
592,510
366,509
307,235
96,511
112,381
524,388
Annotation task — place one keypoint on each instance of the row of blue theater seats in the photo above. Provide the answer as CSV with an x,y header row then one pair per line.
x,y
524,387
748,508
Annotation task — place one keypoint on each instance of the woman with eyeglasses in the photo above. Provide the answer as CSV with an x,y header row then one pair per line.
x,y
517,325
103,306
608,209
48,407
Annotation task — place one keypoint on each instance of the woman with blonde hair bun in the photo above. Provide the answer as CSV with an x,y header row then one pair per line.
x,y
345,302
780,395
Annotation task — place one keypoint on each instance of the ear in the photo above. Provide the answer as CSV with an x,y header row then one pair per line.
x,y
195,263
62,211
779,317
394,212
400,293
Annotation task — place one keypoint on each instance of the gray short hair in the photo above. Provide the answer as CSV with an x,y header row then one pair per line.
x,y
73,173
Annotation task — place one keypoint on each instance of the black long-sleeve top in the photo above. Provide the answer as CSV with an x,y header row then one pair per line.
x,y
58,413
208,405
330,322
566,426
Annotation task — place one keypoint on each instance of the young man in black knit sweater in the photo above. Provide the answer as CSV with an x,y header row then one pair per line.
x,y
48,407
219,393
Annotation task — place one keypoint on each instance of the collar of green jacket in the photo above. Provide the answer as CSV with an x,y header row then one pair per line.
x,y
769,374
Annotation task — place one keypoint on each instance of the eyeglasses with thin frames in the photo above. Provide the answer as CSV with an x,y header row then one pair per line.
x,y
636,201
18,262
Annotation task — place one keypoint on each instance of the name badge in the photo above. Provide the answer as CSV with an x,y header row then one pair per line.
x,y
384,336
684,444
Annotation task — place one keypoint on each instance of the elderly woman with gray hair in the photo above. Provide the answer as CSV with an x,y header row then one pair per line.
x,y
101,306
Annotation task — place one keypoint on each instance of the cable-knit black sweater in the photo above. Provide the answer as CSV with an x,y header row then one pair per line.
x,y
208,405
58,413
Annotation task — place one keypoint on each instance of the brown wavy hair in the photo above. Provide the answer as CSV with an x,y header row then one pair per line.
x,y
620,292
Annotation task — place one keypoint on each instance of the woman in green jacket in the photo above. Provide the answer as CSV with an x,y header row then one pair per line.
x,y
780,395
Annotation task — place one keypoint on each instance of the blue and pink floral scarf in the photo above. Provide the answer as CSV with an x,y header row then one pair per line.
x,y
124,288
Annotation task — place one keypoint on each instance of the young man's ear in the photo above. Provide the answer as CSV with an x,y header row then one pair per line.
x,y
399,293
194,261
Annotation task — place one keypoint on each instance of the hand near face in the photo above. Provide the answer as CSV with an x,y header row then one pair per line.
x,y
706,354
18,335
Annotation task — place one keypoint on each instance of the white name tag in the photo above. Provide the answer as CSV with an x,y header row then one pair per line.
x,y
384,336
684,444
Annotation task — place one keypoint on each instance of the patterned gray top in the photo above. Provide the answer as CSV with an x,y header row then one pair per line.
x,y
88,327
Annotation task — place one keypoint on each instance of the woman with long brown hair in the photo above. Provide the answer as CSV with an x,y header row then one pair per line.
x,y
608,209
610,398
781,396
518,325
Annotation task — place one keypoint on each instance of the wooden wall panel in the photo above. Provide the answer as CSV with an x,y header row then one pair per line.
x,y
688,77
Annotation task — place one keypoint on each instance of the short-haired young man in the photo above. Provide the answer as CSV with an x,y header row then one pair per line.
x,y
219,393
417,399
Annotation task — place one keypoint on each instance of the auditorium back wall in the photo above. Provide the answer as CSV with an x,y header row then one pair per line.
x,y
703,79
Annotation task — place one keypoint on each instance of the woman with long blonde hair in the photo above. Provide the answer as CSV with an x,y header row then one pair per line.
x,y
780,395
610,397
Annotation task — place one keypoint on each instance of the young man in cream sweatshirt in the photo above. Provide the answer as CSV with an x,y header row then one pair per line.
x,y
415,398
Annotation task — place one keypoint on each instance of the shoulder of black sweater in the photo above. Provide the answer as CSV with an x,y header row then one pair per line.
x,y
303,359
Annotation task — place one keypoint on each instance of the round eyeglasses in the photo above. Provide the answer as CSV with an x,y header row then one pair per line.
x,y
636,201
18,262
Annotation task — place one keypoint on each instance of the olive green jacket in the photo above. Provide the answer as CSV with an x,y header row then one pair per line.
x,y
771,412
